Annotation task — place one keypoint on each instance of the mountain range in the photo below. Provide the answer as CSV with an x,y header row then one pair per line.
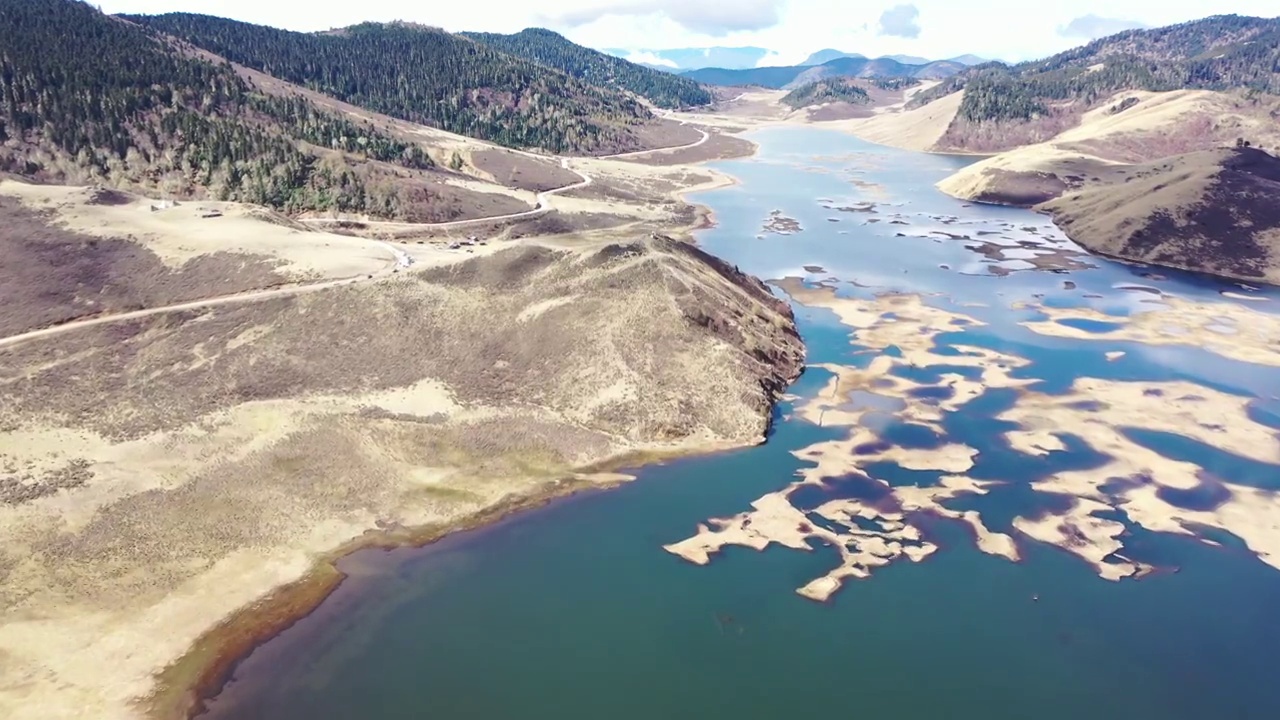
x,y
680,60
828,54
792,76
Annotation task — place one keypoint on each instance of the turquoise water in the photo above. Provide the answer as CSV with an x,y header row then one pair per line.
x,y
576,611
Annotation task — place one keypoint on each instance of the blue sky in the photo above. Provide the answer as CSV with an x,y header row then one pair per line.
x,y
1005,29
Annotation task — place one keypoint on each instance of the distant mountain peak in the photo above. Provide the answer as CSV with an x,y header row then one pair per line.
x,y
553,50
790,77
907,59
827,55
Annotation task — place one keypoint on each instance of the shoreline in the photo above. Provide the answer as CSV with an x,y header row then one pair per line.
x,y
185,685
265,620
1169,266
189,682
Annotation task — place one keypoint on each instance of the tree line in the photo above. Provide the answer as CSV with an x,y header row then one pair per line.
x,y
426,76
1218,53
825,91
90,98
555,51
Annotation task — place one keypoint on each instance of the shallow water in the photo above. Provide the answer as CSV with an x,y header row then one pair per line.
x,y
576,611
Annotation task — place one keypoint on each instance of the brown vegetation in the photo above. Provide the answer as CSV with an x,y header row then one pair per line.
x,y
719,146
664,133
521,171
1214,211
226,448
993,136
840,111
49,275
17,487
1020,189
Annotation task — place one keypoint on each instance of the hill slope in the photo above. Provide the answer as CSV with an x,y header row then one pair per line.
x,y
854,67
827,55
89,98
1130,128
596,68
1212,211
426,76
1217,53
826,91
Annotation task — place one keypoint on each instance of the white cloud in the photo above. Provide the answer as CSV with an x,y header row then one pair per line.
x,y
772,59
1091,27
790,28
648,58
714,19
901,21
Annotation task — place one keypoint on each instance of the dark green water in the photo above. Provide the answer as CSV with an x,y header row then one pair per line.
x,y
574,611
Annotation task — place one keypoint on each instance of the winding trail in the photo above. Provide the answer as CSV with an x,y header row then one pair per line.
x,y
542,201
541,205
251,296
635,153
399,258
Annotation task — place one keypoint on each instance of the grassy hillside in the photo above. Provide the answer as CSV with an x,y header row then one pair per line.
x,y
90,98
1213,211
427,76
1216,53
826,91
596,68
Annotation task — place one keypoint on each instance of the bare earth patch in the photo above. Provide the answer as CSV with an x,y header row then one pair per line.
x,y
719,146
49,275
177,234
521,171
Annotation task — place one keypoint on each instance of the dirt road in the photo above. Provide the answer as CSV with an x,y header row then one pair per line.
x,y
400,258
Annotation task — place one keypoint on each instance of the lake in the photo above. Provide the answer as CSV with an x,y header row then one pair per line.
x,y
577,610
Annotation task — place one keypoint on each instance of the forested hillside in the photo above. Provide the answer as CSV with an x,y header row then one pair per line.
x,y
555,51
826,91
90,98
1217,53
427,76
860,67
